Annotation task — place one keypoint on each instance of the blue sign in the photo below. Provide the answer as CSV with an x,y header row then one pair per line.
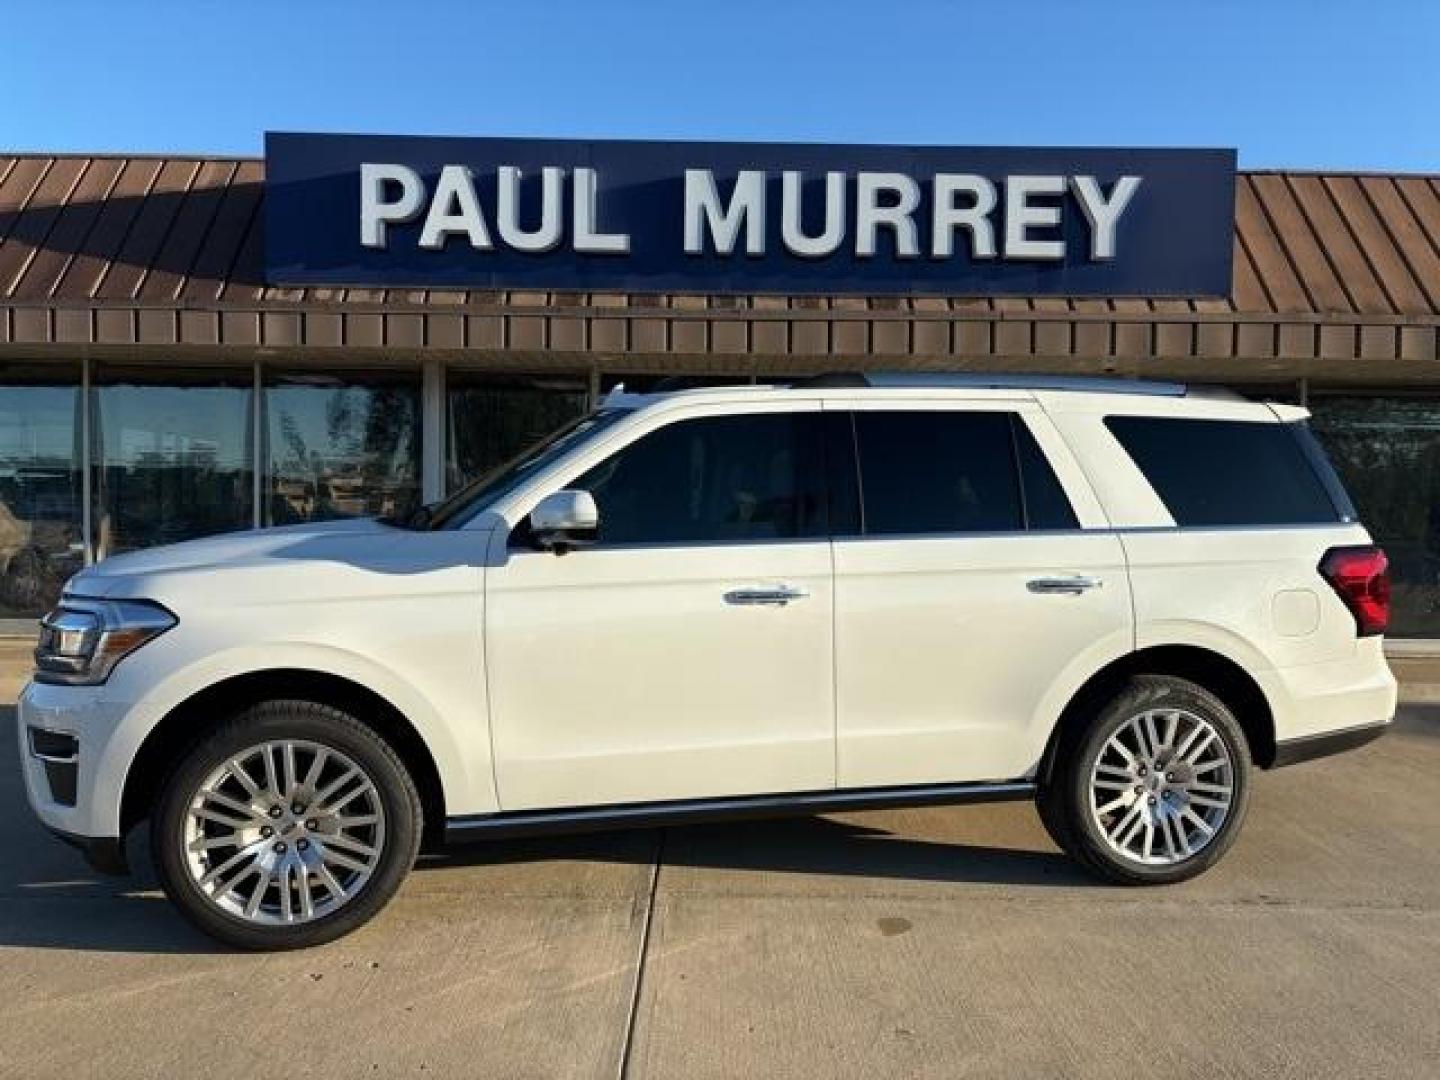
x,y
746,217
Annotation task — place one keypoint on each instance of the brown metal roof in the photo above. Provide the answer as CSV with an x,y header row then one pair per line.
x,y
114,251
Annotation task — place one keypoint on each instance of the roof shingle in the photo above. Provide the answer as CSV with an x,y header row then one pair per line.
x,y
188,229
115,250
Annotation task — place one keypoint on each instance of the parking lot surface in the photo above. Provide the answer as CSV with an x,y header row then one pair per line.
x,y
916,943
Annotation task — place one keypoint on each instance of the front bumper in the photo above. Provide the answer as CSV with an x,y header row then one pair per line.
x,y
74,764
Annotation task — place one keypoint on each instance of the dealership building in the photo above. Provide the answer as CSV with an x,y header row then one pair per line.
x,y
186,348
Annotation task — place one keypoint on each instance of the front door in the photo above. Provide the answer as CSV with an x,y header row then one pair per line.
x,y
687,653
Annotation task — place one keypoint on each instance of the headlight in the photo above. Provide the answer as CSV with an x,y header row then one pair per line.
x,y
82,640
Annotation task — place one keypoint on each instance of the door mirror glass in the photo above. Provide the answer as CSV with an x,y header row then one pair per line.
x,y
564,519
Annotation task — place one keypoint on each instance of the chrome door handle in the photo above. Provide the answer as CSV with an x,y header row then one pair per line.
x,y
1069,585
778,596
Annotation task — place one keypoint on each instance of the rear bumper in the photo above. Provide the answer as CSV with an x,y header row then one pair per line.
x,y
1309,747
1340,703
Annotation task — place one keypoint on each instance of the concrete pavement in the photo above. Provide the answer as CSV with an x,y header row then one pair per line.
x,y
935,942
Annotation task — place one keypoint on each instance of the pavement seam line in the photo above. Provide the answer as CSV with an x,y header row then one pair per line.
x,y
638,986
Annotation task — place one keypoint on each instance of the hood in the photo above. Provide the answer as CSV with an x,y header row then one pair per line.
x,y
322,541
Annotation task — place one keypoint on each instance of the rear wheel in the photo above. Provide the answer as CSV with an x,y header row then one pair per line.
x,y
289,826
1155,788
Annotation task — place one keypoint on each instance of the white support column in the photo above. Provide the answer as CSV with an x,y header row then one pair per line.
x,y
432,431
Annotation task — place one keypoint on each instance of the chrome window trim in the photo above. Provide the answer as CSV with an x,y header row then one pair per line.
x,y
779,541
1294,526
871,538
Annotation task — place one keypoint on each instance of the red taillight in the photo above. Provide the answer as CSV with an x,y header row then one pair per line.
x,y
1361,575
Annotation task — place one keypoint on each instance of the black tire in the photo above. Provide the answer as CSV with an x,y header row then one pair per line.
x,y
287,720
1065,798
1046,807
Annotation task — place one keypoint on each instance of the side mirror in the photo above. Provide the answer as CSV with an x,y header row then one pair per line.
x,y
565,519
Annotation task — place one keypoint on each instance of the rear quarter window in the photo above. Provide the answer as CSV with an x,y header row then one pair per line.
x,y
1227,472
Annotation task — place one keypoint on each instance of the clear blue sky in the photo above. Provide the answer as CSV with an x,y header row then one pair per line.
x,y
1289,83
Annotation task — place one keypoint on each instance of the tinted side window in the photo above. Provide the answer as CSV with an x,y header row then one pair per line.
x,y
1225,472
714,480
937,472
1046,505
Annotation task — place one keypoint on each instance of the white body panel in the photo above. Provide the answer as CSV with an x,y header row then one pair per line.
x,y
397,613
1255,596
624,676
621,675
947,665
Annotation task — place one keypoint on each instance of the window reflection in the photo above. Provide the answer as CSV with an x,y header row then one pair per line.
x,y
1387,451
40,484
492,419
173,457
340,446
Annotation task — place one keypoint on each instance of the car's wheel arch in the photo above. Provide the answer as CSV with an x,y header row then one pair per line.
x,y
187,719
1223,675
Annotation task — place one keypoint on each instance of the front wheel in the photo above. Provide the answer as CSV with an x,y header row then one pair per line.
x,y
289,826
1155,788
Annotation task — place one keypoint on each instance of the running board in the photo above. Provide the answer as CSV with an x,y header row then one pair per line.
x,y
730,808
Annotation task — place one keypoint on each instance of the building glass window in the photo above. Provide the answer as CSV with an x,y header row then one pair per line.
x,y
491,419
1387,452
173,456
341,445
41,541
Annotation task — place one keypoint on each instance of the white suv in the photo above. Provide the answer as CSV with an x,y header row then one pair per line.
x,y
848,592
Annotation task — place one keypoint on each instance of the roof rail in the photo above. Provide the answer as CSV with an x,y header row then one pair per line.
x,y
978,380
672,383
832,380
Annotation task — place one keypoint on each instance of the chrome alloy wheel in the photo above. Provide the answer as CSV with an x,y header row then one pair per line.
x,y
284,832
1162,787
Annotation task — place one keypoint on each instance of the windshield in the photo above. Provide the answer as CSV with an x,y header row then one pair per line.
x,y
485,490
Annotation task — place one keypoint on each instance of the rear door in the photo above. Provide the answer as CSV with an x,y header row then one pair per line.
x,y
970,596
